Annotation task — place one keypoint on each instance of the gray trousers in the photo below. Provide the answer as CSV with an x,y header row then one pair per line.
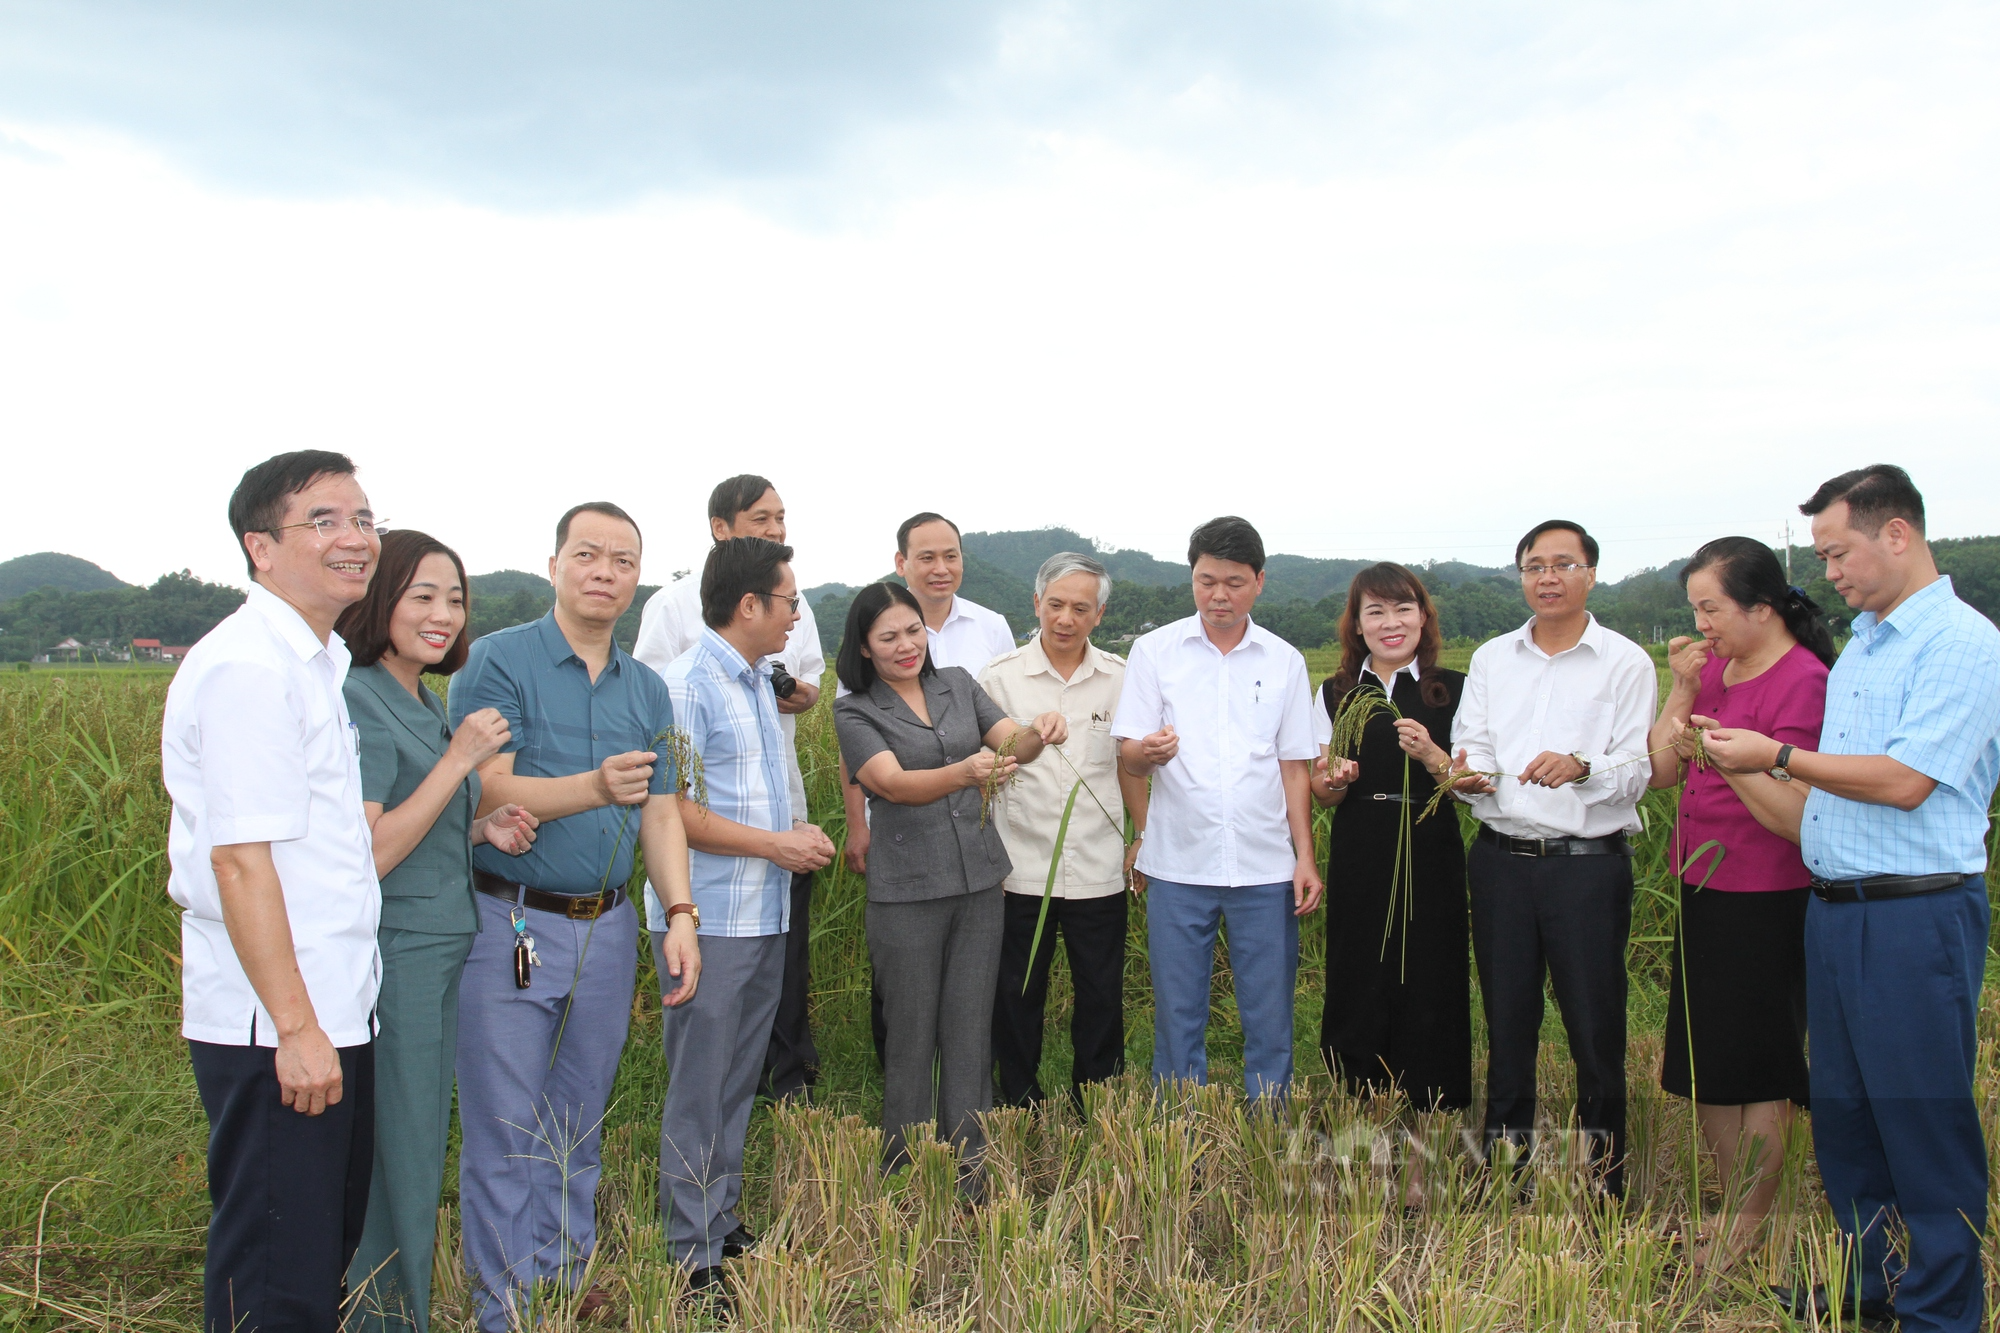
x,y
715,1046
529,1159
936,964
414,1052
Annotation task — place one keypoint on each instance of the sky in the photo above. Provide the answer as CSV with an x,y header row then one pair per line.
x,y
1391,280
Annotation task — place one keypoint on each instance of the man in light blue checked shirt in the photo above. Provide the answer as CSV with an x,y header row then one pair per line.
x,y
1894,833
744,849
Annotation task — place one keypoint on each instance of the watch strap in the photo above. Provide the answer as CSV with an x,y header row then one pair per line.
x,y
1785,757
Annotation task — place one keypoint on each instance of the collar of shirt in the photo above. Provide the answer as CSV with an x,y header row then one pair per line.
x,y
557,645
1920,607
730,659
1254,635
1389,686
1036,662
1593,638
958,612
292,628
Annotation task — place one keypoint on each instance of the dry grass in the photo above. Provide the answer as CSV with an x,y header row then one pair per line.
x,y
1143,1213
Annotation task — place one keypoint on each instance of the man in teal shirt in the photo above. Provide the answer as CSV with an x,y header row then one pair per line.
x,y
546,998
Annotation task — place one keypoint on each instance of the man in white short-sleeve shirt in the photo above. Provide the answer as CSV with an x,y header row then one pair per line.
x,y
1218,712
750,506
273,866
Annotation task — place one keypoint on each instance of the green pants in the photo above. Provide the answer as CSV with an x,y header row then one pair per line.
x,y
414,1054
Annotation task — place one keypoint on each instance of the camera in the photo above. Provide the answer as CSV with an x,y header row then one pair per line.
x,y
782,683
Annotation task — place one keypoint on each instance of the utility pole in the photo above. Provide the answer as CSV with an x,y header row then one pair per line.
x,y
1788,552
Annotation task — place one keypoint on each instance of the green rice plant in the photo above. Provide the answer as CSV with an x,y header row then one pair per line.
x,y
1363,705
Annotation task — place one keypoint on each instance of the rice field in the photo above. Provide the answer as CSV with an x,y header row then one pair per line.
x,y
1136,1213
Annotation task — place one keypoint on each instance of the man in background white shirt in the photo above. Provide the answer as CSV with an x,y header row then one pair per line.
x,y
1217,710
749,506
273,866
1562,706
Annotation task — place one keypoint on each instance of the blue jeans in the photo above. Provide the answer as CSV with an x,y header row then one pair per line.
x,y
1181,925
1892,996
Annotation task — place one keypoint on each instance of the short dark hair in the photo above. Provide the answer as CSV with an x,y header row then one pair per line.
x,y
365,624
1557,525
1874,495
604,507
738,567
1227,538
732,497
258,502
915,521
856,672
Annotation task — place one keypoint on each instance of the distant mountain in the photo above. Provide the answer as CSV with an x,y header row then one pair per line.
x,y
51,569
513,597
1303,596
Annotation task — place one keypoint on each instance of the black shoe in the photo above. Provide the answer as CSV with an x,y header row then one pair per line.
x,y
735,1243
1813,1305
708,1286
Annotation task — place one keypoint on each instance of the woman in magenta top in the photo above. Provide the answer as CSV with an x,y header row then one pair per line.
x,y
1736,1017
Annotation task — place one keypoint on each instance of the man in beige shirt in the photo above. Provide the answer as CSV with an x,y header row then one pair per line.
x,y
1061,670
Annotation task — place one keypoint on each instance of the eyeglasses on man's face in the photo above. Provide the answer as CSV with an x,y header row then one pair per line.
x,y
1562,567
329,528
784,598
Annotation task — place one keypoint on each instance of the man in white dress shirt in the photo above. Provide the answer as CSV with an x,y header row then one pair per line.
x,y
1562,706
750,506
272,864
1217,710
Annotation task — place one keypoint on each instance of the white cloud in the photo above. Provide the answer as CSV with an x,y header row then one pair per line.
x,y
1702,270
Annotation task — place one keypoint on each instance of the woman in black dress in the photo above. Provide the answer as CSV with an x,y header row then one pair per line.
x,y
1398,996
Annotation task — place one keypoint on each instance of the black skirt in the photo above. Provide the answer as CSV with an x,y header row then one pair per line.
x,y
1739,980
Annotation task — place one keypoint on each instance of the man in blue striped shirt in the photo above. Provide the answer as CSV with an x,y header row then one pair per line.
x,y
744,848
1895,833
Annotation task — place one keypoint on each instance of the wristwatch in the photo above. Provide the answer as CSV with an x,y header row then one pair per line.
x,y
1782,769
694,913
1586,770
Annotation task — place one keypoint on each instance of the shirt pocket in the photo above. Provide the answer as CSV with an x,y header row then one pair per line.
x,y
1582,728
1100,749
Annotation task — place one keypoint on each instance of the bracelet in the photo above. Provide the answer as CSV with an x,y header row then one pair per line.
x,y
1332,790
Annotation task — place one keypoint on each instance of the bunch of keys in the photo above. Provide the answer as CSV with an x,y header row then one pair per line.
x,y
525,957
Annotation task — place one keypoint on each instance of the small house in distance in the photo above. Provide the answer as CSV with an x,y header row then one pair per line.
x,y
69,650
145,650
173,652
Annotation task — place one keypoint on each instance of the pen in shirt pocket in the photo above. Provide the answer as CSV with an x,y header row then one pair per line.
x,y
354,735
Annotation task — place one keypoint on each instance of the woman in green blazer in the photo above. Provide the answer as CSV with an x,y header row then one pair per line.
x,y
420,789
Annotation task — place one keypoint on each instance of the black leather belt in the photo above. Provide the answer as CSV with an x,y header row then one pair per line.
x,y
1874,888
585,907
1611,845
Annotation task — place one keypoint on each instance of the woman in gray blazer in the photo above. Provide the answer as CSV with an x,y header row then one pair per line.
x,y
419,789
911,736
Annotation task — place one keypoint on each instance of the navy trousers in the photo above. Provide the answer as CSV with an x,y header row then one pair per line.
x,y
1892,997
288,1192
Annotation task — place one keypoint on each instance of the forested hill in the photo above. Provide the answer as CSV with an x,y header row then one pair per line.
x,y
51,569
1303,596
